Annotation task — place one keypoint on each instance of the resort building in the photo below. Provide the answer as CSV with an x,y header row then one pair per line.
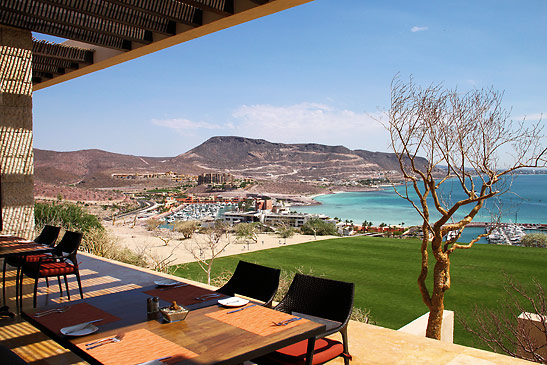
x,y
295,220
215,178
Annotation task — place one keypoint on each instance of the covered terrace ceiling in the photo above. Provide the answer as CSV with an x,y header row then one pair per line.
x,y
102,33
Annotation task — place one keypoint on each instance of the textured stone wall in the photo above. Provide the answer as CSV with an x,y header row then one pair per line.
x,y
16,153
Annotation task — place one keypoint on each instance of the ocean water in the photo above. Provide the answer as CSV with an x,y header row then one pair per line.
x,y
525,203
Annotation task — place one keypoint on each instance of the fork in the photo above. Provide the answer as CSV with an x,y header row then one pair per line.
x,y
287,321
174,286
104,341
207,296
51,311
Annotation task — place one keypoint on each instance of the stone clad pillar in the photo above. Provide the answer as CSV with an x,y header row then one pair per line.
x,y
16,152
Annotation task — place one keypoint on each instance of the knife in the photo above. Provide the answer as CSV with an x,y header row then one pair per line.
x,y
81,326
240,309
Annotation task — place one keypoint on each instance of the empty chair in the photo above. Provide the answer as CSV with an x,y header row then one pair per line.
x,y
63,262
253,281
48,236
322,300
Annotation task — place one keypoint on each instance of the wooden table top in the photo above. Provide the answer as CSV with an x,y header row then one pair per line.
x,y
211,334
12,245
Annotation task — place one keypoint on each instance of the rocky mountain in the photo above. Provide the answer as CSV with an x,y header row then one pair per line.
x,y
239,156
262,159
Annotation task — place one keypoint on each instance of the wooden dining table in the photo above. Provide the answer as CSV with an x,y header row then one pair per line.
x,y
210,334
17,246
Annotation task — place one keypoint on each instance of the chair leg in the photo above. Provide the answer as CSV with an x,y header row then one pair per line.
x,y
4,283
60,286
21,277
345,343
79,284
35,292
17,287
66,284
47,282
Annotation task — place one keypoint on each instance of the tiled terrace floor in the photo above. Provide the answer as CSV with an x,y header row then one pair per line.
x,y
368,344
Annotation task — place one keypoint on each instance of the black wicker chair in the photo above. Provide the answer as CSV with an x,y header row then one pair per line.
x,y
48,236
62,262
322,300
253,281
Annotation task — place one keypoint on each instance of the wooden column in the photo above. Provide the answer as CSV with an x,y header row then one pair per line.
x,y
16,153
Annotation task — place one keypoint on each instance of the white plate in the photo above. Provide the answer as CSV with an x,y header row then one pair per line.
x,y
166,282
79,329
233,302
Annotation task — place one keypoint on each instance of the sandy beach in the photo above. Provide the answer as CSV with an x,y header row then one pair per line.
x,y
138,238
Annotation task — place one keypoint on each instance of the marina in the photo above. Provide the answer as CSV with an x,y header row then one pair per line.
x,y
198,211
505,234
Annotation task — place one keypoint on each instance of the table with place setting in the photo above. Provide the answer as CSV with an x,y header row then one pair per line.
x,y
119,328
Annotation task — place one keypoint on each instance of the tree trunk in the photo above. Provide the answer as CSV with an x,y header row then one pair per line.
x,y
440,285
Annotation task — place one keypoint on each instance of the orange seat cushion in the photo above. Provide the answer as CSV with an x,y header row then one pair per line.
x,y
325,350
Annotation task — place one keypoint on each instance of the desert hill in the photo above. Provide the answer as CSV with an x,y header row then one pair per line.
x,y
262,159
243,157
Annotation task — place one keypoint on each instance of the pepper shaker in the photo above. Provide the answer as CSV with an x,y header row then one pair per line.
x,y
149,305
155,304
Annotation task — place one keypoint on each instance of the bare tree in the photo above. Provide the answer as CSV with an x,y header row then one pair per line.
x,y
162,263
462,137
510,328
165,235
209,246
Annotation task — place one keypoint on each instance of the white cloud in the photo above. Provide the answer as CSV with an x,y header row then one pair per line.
x,y
311,123
531,117
298,123
415,29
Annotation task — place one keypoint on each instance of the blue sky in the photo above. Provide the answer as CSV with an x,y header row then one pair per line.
x,y
318,73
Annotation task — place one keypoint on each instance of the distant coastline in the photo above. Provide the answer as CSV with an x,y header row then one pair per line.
x,y
527,203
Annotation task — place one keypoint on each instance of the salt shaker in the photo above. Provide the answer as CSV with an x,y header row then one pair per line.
x,y
155,304
149,305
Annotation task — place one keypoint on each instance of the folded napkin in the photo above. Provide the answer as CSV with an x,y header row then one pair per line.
x,y
258,320
139,346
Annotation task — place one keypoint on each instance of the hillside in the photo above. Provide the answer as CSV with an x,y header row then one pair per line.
x,y
243,157
262,159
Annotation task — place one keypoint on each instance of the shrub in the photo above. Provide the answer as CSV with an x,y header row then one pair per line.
x,y
68,216
318,227
152,224
186,228
534,240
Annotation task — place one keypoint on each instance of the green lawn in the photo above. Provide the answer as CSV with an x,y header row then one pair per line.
x,y
385,270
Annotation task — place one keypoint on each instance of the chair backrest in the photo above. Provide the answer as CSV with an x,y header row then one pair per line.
x,y
48,236
319,297
69,243
254,281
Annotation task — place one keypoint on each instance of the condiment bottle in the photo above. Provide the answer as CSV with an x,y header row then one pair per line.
x,y
155,304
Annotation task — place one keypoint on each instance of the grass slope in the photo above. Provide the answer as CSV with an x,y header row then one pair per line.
x,y
385,271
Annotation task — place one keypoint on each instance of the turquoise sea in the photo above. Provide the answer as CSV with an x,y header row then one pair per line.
x,y
525,203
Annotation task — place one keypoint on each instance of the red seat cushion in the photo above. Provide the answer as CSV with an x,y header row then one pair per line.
x,y
49,269
325,350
